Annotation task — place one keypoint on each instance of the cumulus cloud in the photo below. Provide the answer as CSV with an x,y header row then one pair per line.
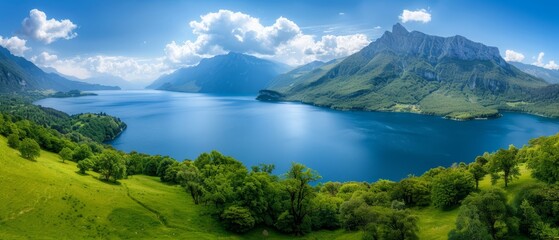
x,y
133,69
549,65
15,44
420,15
512,56
38,27
225,31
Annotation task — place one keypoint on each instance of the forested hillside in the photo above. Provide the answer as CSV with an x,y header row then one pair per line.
x,y
104,192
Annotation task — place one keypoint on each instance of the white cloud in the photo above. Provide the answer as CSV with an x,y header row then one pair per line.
x,y
421,15
15,45
128,68
512,56
549,65
341,13
38,27
224,31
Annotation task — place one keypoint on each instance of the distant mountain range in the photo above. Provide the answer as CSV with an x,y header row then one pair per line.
x,y
19,75
551,76
233,73
106,80
416,72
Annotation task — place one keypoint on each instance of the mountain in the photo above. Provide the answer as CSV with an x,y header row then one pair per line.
x,y
18,74
551,76
233,73
415,72
109,80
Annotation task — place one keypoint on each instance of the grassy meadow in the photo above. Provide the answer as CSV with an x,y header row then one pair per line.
x,y
48,199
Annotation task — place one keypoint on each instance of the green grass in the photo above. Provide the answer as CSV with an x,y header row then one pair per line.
x,y
49,199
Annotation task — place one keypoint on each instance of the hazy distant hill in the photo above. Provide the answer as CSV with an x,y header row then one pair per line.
x,y
551,76
108,80
233,73
416,72
18,74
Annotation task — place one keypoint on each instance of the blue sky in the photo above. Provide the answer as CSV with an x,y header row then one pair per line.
x,y
140,40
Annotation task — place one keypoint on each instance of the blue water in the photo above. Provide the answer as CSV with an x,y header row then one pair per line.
x,y
341,146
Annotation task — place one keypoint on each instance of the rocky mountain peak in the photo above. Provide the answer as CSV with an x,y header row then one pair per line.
x,y
400,30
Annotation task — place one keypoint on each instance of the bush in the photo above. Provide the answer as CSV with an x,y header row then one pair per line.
x,y
29,149
13,141
450,187
237,219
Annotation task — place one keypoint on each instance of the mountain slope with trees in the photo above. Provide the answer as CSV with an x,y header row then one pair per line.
x,y
416,72
19,75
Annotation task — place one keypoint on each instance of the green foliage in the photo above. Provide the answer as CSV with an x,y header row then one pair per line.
x,y
491,208
325,212
392,224
478,172
300,193
85,165
451,186
544,160
29,149
111,165
237,219
414,191
66,154
503,164
191,179
469,226
82,152
13,141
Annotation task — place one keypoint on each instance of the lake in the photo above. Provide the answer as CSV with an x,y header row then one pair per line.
x,y
341,146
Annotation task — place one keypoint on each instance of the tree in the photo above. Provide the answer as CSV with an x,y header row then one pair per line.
x,y
469,226
391,224
84,165
237,219
29,149
300,193
13,141
65,154
82,152
190,178
450,187
545,162
111,165
504,161
478,172
325,212
493,212
414,191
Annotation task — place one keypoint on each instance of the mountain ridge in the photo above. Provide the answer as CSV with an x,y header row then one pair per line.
x,y
19,75
416,72
233,73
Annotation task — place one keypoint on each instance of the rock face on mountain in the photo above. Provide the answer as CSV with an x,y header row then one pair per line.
x,y
416,72
549,75
233,73
19,75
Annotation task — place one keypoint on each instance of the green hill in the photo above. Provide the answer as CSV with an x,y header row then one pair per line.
x,y
416,72
48,199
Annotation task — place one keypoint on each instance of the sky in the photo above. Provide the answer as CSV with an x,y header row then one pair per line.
x,y
139,40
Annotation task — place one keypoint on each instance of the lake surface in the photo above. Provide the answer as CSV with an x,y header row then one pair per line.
x,y
341,146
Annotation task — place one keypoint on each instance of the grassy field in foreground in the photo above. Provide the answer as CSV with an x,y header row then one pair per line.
x,y
49,199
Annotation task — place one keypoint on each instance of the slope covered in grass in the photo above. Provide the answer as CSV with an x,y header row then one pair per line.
x,y
49,199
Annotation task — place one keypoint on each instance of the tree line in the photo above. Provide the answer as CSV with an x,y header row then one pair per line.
x,y
296,203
